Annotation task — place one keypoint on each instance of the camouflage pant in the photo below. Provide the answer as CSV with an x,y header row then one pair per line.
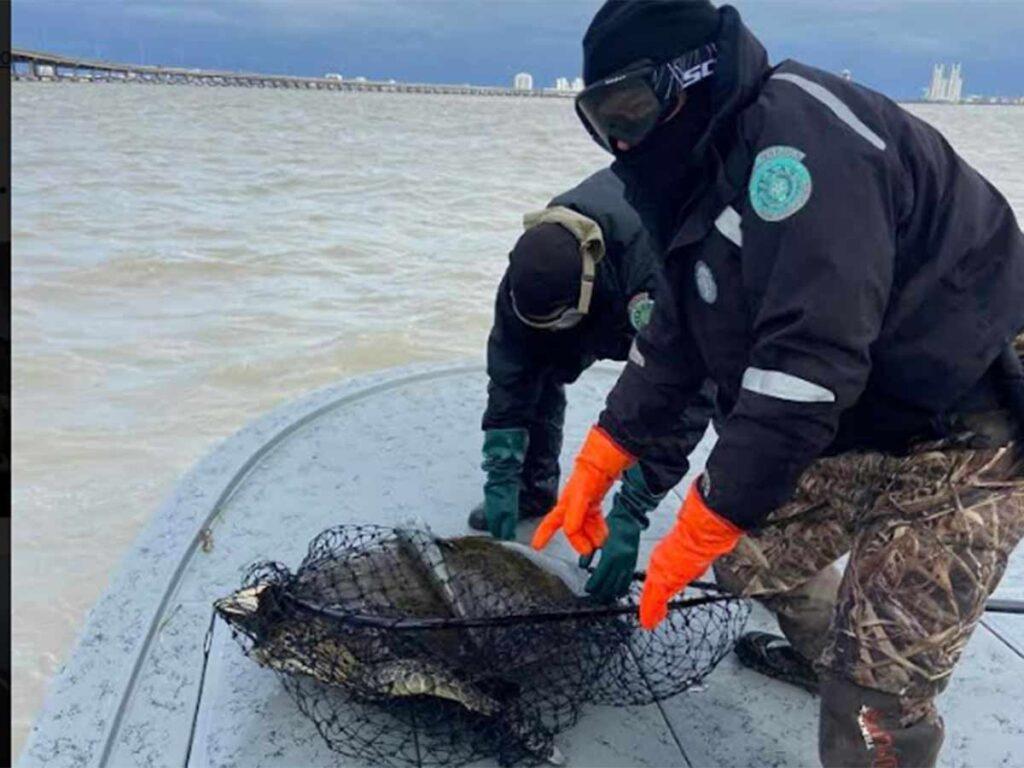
x,y
928,535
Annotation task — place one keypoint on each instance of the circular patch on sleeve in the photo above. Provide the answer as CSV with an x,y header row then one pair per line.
x,y
780,184
706,285
640,308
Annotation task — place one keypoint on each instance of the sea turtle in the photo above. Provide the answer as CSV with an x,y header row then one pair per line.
x,y
408,573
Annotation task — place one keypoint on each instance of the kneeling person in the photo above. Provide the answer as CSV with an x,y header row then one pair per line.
x,y
579,285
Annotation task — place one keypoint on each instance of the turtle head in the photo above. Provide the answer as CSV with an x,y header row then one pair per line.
x,y
252,610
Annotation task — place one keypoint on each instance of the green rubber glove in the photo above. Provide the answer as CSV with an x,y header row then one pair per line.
x,y
614,572
504,454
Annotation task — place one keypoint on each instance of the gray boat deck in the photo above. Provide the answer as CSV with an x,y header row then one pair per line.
x,y
384,448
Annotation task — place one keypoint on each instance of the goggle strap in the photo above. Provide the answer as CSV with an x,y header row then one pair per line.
x,y
587,282
587,231
545,325
540,325
590,237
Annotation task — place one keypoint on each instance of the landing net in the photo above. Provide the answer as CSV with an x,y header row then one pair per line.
x,y
405,649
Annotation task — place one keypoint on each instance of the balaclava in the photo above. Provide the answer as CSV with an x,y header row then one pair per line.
x,y
545,268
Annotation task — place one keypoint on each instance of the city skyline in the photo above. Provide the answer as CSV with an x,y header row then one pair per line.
x,y
890,45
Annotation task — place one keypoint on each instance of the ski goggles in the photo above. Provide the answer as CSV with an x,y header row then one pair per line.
x,y
629,105
560,320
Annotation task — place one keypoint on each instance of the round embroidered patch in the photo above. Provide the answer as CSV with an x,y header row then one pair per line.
x,y
780,184
706,285
640,308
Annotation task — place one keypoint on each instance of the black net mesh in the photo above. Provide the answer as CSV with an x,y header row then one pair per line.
x,y
405,649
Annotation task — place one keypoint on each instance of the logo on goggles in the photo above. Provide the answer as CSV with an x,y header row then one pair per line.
x,y
687,70
688,78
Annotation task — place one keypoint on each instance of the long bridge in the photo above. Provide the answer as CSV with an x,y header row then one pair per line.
x,y
55,67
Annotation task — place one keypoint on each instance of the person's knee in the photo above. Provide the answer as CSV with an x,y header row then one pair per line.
x,y
750,570
729,578
865,727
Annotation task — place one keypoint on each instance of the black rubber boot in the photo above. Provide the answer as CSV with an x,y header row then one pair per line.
x,y
860,727
477,519
772,655
529,509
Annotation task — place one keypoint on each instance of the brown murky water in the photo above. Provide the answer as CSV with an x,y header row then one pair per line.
x,y
186,259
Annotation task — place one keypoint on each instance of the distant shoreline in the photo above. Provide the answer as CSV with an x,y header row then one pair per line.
x,y
370,86
42,66
962,103
52,67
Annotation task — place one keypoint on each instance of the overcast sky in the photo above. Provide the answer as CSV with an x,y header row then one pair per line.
x,y
888,44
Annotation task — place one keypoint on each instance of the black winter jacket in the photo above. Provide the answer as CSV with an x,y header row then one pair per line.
x,y
845,278
528,368
520,359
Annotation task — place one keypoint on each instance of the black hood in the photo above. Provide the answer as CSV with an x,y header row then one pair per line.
x,y
672,169
740,73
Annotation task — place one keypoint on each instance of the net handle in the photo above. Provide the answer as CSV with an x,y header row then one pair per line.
x,y
435,622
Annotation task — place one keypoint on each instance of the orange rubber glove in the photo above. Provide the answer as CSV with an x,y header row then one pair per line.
x,y
578,511
698,537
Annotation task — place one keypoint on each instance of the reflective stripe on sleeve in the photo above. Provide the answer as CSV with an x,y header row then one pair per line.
x,y
785,386
838,108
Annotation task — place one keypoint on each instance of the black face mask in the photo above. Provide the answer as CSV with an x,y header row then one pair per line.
x,y
662,173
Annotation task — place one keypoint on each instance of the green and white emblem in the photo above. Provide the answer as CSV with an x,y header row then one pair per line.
x,y
780,184
640,308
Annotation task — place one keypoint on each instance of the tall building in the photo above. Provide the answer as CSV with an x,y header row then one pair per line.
x,y
577,84
955,87
938,83
946,89
523,82
562,84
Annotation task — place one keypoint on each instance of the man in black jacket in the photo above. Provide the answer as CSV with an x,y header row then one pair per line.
x,y
579,285
853,287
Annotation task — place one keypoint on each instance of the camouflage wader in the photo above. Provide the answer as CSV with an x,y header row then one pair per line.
x,y
928,535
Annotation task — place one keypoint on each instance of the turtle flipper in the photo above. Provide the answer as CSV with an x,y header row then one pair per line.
x,y
421,678
521,735
407,678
